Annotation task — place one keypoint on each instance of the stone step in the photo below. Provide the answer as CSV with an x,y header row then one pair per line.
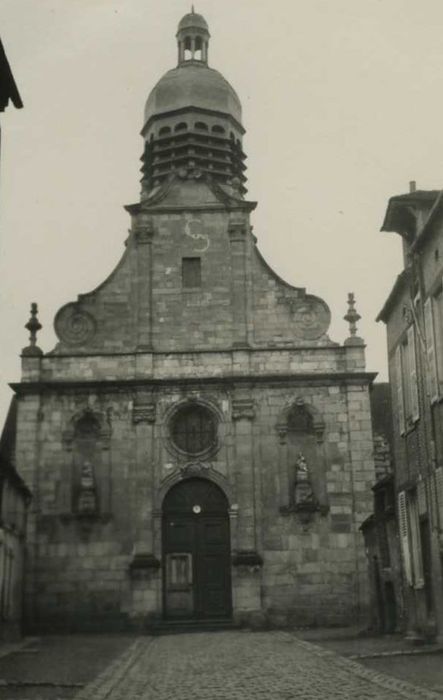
x,y
186,626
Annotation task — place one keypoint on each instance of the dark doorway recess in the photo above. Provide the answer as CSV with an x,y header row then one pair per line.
x,y
196,552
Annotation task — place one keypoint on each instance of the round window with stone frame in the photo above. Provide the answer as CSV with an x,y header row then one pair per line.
x,y
193,430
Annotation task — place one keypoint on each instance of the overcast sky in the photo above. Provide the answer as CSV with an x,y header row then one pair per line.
x,y
341,103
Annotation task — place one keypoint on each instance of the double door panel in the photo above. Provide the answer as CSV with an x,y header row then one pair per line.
x,y
197,581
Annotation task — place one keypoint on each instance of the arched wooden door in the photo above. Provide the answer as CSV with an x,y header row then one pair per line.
x,y
196,551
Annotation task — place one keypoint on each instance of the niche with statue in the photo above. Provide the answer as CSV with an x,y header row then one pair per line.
x,y
85,494
302,463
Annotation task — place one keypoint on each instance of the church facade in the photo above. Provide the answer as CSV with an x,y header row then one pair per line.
x,y
196,446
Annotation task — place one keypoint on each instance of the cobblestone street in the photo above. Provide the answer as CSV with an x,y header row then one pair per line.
x,y
240,665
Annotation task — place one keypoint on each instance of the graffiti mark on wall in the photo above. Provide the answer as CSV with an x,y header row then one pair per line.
x,y
194,229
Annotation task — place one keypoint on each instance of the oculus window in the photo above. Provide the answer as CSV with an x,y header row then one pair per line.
x,y
193,429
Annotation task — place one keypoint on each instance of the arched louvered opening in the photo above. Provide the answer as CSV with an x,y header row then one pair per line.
x,y
182,126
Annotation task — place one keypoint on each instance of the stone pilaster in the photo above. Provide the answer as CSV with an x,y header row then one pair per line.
x,y
143,234
144,566
283,476
239,288
143,418
247,562
243,414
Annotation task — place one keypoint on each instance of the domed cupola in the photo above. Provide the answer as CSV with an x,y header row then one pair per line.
x,y
193,117
193,38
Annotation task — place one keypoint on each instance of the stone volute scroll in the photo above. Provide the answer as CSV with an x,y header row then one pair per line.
x,y
311,316
74,325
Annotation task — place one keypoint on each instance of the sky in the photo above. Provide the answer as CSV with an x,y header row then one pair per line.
x,y
342,108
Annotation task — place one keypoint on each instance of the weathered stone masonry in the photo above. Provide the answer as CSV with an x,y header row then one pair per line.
x,y
284,412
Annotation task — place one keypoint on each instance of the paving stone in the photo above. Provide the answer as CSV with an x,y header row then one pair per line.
x,y
241,665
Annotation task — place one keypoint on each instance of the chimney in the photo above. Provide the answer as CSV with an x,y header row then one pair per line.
x,y
412,186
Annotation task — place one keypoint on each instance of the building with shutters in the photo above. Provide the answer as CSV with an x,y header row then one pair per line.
x,y
380,529
14,496
413,314
14,502
198,448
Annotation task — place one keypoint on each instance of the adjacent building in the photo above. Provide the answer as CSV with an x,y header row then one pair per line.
x,y
413,314
14,496
197,446
14,501
380,529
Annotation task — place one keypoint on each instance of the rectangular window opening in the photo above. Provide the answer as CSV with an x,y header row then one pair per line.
x,y
191,272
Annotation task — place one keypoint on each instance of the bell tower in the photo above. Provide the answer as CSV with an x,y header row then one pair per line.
x,y
193,38
193,118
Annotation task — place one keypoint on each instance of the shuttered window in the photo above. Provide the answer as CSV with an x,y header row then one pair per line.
x,y
437,308
399,387
414,525
439,490
404,536
421,498
406,381
412,371
430,350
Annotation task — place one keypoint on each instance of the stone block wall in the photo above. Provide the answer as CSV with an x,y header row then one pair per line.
x,y
80,568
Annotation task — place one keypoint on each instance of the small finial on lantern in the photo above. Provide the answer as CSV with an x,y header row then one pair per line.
x,y
352,317
33,326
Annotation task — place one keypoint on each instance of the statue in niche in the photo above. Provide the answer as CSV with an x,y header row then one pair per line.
x,y
303,492
87,499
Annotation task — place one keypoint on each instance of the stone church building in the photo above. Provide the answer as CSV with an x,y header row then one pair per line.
x,y
196,445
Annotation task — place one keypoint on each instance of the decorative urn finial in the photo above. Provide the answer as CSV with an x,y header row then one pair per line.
x,y
33,326
352,317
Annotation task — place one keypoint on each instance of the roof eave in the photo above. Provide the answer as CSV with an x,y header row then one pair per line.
x,y
399,285
398,204
10,90
422,235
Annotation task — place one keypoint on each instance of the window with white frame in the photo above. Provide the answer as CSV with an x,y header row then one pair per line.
x,y
406,381
433,309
